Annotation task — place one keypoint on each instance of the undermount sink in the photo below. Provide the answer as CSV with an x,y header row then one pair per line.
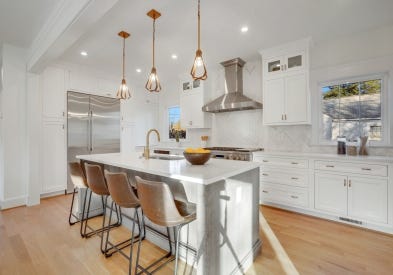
x,y
167,157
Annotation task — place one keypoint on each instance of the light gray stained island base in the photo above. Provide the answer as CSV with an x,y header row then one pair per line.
x,y
224,239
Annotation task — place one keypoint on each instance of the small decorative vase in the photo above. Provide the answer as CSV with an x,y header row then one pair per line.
x,y
363,146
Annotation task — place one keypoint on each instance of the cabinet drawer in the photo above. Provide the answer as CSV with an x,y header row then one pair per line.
x,y
283,162
291,196
356,168
294,177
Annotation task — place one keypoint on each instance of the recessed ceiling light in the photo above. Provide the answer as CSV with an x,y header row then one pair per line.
x,y
138,70
83,53
244,29
174,56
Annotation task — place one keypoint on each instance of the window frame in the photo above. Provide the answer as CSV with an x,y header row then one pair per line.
x,y
167,125
385,122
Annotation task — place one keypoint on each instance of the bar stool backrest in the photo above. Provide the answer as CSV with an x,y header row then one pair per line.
x,y
120,189
95,179
77,176
158,203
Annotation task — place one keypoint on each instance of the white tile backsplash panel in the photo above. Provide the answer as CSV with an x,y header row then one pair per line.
x,y
237,128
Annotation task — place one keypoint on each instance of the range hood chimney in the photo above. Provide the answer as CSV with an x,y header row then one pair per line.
x,y
233,99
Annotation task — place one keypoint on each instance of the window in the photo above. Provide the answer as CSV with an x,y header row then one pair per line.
x,y
353,109
174,123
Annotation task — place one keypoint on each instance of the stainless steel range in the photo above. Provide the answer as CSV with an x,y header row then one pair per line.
x,y
233,153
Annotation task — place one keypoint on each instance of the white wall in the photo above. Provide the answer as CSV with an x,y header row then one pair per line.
x,y
342,56
13,134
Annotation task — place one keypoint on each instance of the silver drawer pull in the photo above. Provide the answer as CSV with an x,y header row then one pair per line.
x,y
294,163
330,166
264,174
265,160
294,197
264,191
294,178
366,169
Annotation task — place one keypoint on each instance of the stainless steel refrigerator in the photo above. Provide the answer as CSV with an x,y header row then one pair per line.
x,y
93,126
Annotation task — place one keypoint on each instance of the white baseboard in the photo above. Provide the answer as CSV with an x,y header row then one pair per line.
x,y
366,225
52,194
13,202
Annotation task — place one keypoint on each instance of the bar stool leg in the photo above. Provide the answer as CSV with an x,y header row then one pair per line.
x,y
103,224
87,215
83,213
72,206
169,240
109,227
177,247
136,216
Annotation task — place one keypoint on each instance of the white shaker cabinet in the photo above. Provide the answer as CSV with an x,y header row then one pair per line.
x,y
274,111
192,99
52,82
368,199
54,172
331,193
286,94
356,197
353,189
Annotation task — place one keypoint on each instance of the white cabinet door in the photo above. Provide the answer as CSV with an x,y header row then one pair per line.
x,y
273,67
191,115
296,99
128,138
274,100
368,199
54,167
53,92
294,61
331,193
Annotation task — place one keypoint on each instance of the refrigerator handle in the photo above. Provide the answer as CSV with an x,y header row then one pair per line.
x,y
91,131
88,132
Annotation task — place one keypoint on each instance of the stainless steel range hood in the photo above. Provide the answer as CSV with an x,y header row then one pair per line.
x,y
233,99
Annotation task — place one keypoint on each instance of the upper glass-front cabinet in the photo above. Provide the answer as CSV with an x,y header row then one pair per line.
x,y
286,63
295,61
274,65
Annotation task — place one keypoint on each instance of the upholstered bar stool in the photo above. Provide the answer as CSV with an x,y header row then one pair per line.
x,y
78,179
123,195
160,207
96,182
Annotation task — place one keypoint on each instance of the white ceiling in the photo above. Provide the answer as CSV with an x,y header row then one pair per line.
x,y
270,22
21,20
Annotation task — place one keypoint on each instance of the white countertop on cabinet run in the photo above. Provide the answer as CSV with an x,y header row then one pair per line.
x,y
327,156
213,171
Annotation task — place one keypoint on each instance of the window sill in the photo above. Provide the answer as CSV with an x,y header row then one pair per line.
x,y
370,144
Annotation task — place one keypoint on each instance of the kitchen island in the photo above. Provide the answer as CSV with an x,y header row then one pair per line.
x,y
225,235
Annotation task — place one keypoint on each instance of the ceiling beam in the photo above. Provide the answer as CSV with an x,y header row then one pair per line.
x,y
67,23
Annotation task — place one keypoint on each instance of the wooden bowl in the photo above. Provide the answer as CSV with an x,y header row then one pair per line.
x,y
197,158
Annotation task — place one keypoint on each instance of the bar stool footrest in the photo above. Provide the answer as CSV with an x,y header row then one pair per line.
x,y
145,270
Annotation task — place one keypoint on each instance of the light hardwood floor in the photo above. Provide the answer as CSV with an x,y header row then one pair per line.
x,y
38,240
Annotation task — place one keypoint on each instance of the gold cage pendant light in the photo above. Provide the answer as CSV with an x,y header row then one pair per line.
x,y
153,83
123,92
198,70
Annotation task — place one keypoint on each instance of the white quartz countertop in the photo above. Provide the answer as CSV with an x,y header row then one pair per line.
x,y
326,156
213,171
